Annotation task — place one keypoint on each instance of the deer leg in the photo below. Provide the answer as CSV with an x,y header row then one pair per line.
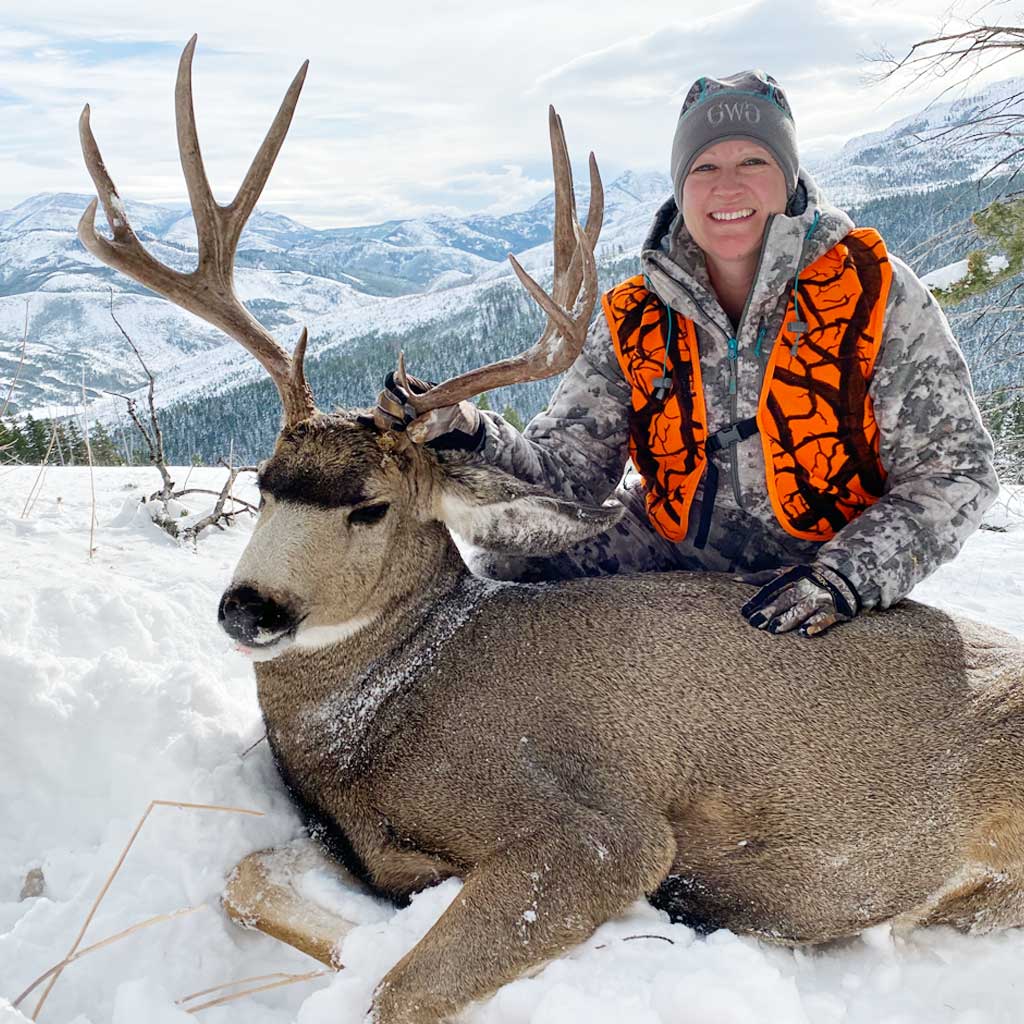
x,y
527,903
263,892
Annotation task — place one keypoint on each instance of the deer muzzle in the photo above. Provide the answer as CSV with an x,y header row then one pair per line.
x,y
253,619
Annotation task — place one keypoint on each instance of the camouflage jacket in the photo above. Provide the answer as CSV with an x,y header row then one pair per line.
x,y
936,452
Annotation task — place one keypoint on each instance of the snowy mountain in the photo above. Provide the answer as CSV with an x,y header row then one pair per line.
x,y
386,281
387,277
935,147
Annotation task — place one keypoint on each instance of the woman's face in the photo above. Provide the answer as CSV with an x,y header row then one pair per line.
x,y
731,190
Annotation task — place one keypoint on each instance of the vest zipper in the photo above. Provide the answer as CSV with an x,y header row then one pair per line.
x,y
734,356
733,347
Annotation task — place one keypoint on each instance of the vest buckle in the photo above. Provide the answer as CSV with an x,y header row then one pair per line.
x,y
732,434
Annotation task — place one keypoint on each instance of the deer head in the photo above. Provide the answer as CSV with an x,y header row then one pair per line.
x,y
355,518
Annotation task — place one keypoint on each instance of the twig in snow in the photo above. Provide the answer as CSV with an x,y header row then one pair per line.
x,y
630,938
113,874
283,979
246,505
102,943
217,512
37,485
248,750
153,437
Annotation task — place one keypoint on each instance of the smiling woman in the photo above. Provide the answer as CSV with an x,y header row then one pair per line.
x,y
761,312
728,196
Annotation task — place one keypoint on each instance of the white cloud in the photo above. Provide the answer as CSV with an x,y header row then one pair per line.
x,y
409,110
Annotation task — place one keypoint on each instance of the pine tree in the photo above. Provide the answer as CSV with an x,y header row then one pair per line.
x,y
13,446
37,439
104,451
73,442
1001,224
1006,424
511,416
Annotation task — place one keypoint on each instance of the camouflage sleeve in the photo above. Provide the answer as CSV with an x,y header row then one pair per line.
x,y
936,453
576,448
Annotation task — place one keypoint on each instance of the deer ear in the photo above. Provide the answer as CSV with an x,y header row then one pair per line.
x,y
497,512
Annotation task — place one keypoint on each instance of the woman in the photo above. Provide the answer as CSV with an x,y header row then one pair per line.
x,y
790,393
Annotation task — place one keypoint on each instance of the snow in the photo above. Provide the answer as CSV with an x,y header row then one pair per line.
x,y
954,272
117,688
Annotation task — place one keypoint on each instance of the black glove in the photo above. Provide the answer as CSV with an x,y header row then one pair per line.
x,y
451,427
810,598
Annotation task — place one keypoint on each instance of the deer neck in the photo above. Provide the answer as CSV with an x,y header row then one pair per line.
x,y
431,594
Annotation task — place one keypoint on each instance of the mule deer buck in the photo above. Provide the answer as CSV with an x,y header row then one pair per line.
x,y
569,748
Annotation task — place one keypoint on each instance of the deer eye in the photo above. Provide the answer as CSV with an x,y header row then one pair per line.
x,y
368,514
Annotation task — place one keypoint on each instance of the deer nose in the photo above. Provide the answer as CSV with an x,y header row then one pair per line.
x,y
248,616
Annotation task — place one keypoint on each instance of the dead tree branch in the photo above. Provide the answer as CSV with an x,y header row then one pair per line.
x,y
154,437
222,513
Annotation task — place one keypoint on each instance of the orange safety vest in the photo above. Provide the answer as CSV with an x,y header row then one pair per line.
x,y
815,416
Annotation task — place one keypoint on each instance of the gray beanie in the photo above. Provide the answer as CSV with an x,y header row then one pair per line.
x,y
748,105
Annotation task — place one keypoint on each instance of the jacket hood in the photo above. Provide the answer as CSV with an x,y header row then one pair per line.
x,y
676,270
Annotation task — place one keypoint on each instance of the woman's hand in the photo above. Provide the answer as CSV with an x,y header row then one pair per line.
x,y
453,427
810,598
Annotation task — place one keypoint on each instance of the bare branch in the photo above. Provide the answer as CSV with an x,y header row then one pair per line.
x,y
217,513
154,442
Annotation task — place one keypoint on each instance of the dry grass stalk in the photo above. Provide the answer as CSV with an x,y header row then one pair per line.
x,y
21,363
252,746
284,979
113,874
37,485
92,476
105,942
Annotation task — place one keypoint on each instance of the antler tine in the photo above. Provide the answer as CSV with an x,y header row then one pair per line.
x,y
595,212
567,288
105,188
263,162
207,291
574,264
208,213
200,195
565,196
125,250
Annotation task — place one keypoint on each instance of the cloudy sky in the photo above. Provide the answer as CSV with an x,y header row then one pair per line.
x,y
415,108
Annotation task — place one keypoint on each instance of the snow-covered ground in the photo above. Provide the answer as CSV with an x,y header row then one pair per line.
x,y
117,688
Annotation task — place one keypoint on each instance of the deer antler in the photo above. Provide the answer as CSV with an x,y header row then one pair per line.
x,y
208,291
565,333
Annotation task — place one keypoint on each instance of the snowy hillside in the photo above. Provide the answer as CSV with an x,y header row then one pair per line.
x,y
382,278
926,150
118,689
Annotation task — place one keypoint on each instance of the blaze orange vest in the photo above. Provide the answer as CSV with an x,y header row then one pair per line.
x,y
815,416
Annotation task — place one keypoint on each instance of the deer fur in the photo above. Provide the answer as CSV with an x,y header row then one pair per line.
x,y
567,748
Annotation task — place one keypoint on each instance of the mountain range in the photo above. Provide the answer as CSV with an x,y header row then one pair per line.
x,y
373,289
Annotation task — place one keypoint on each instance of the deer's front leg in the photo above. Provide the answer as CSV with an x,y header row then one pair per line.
x,y
527,903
